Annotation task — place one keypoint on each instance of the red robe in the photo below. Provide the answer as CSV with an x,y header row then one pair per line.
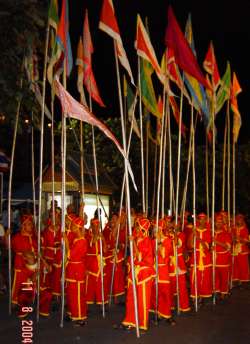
x,y
75,277
240,255
144,273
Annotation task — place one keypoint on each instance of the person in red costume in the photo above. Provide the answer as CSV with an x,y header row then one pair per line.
x,y
223,242
22,242
164,288
144,274
94,278
75,274
203,237
177,267
240,234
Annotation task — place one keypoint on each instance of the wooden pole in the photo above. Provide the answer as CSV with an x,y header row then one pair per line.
x,y
141,131
207,178
147,169
10,195
213,199
228,163
154,184
170,162
53,155
39,221
128,194
224,165
163,167
33,170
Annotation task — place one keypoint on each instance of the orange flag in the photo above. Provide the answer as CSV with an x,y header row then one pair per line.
x,y
235,90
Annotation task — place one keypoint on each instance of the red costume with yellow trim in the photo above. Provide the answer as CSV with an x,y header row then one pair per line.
x,y
164,286
223,241
240,251
144,273
181,272
203,259
75,276
21,242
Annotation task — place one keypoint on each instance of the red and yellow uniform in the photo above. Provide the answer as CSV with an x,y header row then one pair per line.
x,y
223,241
22,242
144,273
240,251
178,243
94,279
163,280
203,259
75,275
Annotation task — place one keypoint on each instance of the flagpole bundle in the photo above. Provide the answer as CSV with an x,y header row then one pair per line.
x,y
224,164
41,170
10,194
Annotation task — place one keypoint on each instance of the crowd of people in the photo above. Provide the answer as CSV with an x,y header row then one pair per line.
x,y
176,265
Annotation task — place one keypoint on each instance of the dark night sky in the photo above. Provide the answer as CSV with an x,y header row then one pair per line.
x,y
223,21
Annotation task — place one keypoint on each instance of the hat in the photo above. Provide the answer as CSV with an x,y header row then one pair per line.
x,y
144,224
78,222
26,218
201,216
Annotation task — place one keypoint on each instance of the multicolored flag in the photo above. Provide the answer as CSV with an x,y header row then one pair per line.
x,y
145,49
63,38
108,24
196,90
235,90
184,56
53,14
223,93
31,68
74,109
147,90
210,66
88,76
80,71
131,104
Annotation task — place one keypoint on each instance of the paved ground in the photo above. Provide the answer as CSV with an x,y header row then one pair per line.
x,y
224,323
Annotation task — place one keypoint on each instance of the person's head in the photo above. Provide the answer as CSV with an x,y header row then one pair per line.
x,y
68,220
98,211
95,224
70,209
77,225
143,227
239,220
202,219
27,224
219,223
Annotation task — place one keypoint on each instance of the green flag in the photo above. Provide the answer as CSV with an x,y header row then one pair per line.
x,y
53,14
147,89
223,93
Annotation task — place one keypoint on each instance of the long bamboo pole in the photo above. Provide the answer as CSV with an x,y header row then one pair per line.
x,y
213,200
10,195
170,163
224,165
39,221
128,194
141,132
228,164
33,170
52,155
234,212
207,178
120,209
158,201
154,184
147,169
163,167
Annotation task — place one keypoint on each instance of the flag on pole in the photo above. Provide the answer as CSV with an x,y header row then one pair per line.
x,y
196,89
223,93
88,77
131,104
31,68
63,38
147,90
53,14
74,109
184,56
145,49
79,63
108,24
235,90
210,66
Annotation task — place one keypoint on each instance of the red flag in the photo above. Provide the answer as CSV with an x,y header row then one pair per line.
x,y
74,109
89,78
145,49
184,56
210,66
108,24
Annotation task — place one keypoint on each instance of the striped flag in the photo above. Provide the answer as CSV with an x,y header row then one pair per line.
x,y
210,66
235,90
108,24
80,71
